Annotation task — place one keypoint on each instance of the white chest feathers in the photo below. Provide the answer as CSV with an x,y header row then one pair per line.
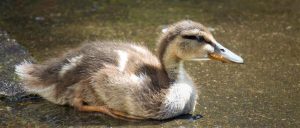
x,y
181,97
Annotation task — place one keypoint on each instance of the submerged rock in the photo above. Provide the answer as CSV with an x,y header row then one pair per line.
x,y
11,53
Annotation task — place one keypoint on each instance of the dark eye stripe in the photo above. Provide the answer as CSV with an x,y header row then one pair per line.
x,y
190,37
198,38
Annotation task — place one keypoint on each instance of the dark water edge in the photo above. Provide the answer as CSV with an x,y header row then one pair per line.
x,y
11,54
264,92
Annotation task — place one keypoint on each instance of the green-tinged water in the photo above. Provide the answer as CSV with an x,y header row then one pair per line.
x,y
264,92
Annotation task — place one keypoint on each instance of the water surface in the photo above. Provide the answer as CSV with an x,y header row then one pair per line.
x,y
264,92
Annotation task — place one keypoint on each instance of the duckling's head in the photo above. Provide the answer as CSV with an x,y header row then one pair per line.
x,y
189,40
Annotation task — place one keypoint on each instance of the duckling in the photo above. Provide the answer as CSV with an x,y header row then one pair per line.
x,y
125,80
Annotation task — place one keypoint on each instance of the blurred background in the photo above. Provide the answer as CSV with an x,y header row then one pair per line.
x,y
264,92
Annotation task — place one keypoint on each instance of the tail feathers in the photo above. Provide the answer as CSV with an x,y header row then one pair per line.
x,y
33,84
25,72
23,69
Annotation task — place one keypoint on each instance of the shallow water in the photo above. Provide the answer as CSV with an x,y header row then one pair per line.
x,y
264,92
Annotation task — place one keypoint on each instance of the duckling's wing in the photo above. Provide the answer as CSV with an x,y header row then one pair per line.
x,y
59,74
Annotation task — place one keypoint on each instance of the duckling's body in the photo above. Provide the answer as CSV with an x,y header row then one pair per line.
x,y
124,77
123,80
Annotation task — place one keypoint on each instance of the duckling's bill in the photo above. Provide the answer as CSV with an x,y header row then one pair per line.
x,y
225,55
222,54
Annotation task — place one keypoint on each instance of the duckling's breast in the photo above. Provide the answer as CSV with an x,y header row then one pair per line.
x,y
180,98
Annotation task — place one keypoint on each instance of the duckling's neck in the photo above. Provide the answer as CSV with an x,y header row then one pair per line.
x,y
172,65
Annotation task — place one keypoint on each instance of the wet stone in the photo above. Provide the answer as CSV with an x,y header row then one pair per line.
x,y
11,53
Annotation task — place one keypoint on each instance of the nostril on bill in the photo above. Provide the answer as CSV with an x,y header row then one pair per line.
x,y
222,50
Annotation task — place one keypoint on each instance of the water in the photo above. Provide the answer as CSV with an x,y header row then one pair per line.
x,y
264,92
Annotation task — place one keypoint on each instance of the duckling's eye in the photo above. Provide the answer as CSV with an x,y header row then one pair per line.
x,y
198,38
